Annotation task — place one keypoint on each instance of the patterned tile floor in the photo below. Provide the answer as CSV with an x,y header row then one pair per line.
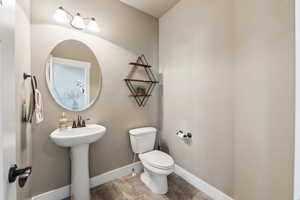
x,y
132,188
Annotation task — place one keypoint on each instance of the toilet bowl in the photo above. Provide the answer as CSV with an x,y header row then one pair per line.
x,y
157,164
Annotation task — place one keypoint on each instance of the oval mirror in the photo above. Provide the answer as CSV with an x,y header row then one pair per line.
x,y
73,75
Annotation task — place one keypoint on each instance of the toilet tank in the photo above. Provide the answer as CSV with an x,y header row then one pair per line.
x,y
142,139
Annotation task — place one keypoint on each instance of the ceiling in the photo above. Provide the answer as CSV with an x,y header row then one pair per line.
x,y
156,8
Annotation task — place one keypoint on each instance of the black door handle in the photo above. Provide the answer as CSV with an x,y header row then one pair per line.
x,y
23,175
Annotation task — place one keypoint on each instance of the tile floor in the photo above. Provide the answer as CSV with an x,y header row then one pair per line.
x,y
132,188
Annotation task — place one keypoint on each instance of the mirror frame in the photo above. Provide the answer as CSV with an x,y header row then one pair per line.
x,y
46,67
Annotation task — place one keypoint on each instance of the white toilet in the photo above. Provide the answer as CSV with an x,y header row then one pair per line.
x,y
157,164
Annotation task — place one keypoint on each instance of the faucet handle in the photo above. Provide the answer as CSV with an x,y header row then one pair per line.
x,y
74,125
83,122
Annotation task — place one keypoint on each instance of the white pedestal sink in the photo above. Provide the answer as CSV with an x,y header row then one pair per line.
x,y
79,139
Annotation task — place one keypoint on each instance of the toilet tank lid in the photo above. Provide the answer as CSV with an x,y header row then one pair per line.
x,y
141,131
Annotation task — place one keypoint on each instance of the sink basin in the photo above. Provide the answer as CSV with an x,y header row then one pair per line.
x,y
77,136
79,139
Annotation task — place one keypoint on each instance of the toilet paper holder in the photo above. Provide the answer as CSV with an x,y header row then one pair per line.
x,y
183,135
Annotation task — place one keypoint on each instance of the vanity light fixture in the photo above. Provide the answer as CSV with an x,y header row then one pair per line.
x,y
93,26
61,16
78,22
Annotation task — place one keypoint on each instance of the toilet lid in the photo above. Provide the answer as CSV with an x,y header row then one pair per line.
x,y
157,159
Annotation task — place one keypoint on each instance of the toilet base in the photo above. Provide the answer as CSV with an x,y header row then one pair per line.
x,y
157,183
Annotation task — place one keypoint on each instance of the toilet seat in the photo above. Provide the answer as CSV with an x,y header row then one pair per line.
x,y
157,159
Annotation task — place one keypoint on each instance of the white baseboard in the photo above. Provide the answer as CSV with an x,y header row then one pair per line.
x,y
115,174
64,192
57,194
201,185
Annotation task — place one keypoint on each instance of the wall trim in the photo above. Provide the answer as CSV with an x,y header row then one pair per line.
x,y
115,174
64,192
201,185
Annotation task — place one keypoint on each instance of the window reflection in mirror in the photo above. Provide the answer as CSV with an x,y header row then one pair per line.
x,y
73,75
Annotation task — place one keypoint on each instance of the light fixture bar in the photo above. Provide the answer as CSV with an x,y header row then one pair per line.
x,y
78,22
66,11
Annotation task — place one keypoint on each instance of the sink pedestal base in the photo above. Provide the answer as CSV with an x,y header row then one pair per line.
x,y
79,139
80,188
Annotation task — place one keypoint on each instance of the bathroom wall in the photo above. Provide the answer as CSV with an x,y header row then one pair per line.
x,y
264,103
297,109
119,23
125,33
23,89
196,45
229,79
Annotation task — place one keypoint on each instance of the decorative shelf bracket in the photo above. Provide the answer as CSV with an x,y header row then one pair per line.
x,y
141,94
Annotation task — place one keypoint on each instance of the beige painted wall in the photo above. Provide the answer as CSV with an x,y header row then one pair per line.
x,y
297,106
119,23
196,59
264,103
23,89
131,33
243,129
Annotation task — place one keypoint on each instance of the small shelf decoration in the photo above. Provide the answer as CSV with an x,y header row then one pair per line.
x,y
141,89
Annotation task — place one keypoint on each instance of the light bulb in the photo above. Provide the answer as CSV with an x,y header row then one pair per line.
x,y
61,16
78,22
93,26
